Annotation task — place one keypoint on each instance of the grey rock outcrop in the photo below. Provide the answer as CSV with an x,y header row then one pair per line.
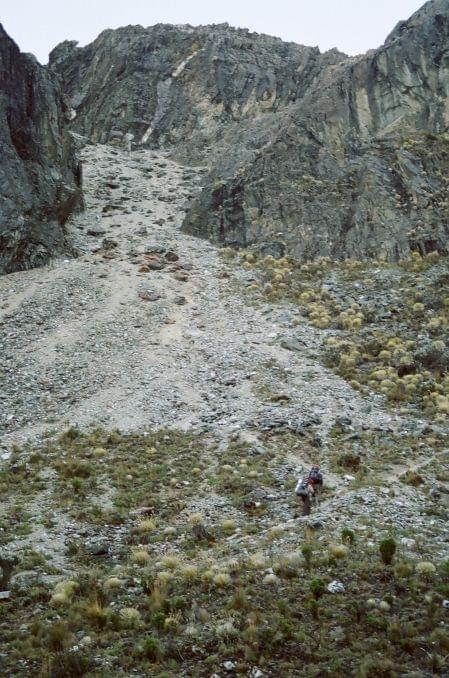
x,y
308,153
40,178
179,85
357,167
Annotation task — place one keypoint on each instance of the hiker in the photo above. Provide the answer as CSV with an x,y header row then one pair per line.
x,y
316,477
307,488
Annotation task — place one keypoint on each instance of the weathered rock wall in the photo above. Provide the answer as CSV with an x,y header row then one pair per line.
x,y
310,153
165,83
40,178
358,167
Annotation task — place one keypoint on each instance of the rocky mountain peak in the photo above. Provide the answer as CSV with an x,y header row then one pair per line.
x,y
297,143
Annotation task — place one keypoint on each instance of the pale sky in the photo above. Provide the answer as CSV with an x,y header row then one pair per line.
x,y
353,26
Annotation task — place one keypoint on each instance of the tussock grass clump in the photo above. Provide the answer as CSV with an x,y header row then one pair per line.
x,y
172,561
257,561
261,598
425,569
164,577
131,617
400,351
140,557
146,526
338,551
63,593
222,579
228,525
113,583
190,572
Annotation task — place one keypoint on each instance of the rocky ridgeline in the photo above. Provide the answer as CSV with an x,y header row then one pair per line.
x,y
40,178
310,153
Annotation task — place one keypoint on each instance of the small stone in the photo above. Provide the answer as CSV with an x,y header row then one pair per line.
x,y
141,511
336,587
154,264
97,547
4,595
171,256
229,666
24,581
181,276
292,344
180,301
147,295
109,243
87,640
96,231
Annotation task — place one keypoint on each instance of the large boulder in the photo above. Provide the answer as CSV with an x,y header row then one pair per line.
x,y
40,178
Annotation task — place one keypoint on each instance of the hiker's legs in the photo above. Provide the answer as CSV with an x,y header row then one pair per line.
x,y
306,506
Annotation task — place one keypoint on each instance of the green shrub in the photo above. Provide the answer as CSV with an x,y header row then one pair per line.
x,y
58,636
317,588
152,649
387,549
70,665
444,569
307,551
77,484
347,535
376,667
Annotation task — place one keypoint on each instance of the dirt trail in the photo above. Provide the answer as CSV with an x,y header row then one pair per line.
x,y
98,341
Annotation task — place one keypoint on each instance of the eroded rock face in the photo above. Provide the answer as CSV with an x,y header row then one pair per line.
x,y
40,178
308,153
179,85
357,167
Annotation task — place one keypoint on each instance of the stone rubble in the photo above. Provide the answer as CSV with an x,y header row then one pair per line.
x,y
112,339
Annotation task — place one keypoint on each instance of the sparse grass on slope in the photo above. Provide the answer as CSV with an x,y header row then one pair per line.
x,y
386,325
179,591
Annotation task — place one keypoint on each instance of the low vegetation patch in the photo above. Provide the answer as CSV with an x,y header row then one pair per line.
x,y
387,325
154,586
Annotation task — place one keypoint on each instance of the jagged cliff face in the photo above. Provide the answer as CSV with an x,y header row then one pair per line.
x,y
314,154
39,176
166,83
358,166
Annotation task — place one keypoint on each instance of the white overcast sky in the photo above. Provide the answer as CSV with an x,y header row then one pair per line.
x,y
353,26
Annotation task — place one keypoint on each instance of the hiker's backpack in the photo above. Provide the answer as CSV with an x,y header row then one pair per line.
x,y
302,489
